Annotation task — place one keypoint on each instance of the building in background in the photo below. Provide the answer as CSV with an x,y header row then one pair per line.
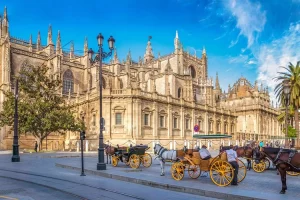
x,y
154,99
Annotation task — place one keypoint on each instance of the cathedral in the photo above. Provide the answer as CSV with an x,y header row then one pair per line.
x,y
155,99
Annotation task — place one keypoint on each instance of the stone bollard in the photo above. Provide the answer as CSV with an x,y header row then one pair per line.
x,y
77,146
86,146
153,144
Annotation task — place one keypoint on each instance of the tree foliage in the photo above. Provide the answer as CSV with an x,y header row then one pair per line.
x,y
292,74
291,132
40,107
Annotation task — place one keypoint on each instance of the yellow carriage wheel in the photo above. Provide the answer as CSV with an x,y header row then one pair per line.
x,y
242,171
194,171
115,161
291,173
134,161
146,160
221,173
260,167
177,171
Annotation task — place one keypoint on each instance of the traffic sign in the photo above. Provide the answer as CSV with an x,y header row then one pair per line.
x,y
196,128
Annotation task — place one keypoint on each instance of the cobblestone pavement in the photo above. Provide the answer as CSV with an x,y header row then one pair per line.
x,y
38,170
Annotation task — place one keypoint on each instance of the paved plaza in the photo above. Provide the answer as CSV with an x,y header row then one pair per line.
x,y
58,174
40,170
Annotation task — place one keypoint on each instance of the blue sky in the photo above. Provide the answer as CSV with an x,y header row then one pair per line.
x,y
242,37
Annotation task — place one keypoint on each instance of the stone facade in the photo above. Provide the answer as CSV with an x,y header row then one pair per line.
x,y
151,100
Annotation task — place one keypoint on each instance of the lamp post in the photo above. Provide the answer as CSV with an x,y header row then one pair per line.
x,y
16,156
98,58
286,92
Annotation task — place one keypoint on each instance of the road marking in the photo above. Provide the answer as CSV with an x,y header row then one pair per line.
x,y
4,197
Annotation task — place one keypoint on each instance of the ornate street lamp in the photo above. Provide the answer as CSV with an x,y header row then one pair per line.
x,y
286,92
98,58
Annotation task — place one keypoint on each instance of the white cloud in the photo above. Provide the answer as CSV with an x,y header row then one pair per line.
x,y
278,53
251,62
250,19
239,59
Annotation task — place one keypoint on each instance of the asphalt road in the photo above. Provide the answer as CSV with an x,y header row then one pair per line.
x,y
20,190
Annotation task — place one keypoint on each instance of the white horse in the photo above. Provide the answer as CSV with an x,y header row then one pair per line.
x,y
164,155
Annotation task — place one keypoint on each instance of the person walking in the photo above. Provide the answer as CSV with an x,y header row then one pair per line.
x,y
36,146
233,160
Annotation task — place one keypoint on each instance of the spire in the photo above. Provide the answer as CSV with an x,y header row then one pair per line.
x,y
217,86
30,43
0,26
229,88
38,42
86,47
168,66
128,59
177,43
5,23
30,40
255,86
116,60
72,50
5,13
58,44
204,51
49,39
148,55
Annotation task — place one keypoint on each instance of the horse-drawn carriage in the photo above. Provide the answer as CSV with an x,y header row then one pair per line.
x,y
132,156
220,170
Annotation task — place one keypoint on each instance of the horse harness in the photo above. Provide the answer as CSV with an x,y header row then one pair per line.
x,y
160,153
291,155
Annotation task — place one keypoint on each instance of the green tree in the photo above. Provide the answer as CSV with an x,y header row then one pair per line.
x,y
292,74
41,109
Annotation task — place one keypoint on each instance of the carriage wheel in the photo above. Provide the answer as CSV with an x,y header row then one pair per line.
x,y
260,167
115,161
267,162
177,171
134,161
291,173
146,160
242,171
194,171
221,173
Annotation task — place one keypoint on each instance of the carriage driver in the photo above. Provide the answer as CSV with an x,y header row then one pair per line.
x,y
204,153
233,160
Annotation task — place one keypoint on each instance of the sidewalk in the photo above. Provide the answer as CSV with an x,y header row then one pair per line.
x,y
255,186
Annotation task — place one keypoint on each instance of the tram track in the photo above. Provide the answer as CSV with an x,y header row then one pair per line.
x,y
66,181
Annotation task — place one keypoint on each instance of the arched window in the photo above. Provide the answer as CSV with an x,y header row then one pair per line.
x,y
179,92
68,82
192,71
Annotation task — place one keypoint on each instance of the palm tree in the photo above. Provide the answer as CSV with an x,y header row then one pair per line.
x,y
292,74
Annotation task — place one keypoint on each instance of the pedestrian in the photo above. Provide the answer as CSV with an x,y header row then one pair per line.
x,y
233,160
36,146
204,153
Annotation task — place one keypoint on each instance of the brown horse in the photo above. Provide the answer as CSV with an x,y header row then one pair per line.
x,y
242,152
284,159
111,150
